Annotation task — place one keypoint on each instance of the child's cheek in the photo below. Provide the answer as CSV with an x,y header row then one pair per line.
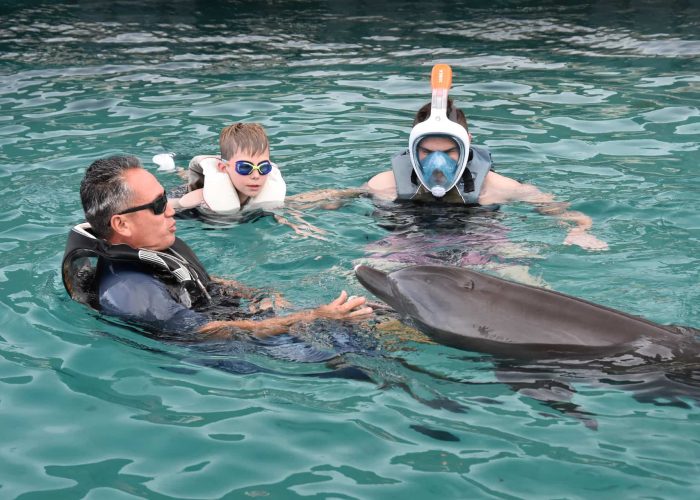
x,y
238,181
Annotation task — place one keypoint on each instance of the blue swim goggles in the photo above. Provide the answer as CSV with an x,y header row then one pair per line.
x,y
245,167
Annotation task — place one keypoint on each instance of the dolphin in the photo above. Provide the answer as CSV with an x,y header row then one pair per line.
x,y
470,310
542,341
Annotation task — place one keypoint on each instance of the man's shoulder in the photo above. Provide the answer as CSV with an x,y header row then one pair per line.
x,y
117,273
128,289
381,180
383,185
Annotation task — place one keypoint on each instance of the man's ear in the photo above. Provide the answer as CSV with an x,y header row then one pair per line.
x,y
120,226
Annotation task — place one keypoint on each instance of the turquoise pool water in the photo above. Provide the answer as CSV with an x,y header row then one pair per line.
x,y
597,103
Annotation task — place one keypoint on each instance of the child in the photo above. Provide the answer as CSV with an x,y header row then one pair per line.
x,y
242,178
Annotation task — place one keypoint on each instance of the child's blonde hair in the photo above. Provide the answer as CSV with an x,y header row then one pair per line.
x,y
248,137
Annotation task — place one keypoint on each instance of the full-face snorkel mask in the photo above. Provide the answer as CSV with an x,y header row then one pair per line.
x,y
438,172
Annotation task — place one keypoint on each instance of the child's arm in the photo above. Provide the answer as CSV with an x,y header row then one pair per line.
x,y
189,200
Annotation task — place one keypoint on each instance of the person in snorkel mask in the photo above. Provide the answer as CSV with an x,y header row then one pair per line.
x,y
441,165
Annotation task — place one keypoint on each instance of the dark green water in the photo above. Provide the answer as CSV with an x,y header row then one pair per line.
x,y
595,102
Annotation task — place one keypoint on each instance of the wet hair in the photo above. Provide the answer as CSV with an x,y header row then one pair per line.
x,y
105,192
453,114
248,137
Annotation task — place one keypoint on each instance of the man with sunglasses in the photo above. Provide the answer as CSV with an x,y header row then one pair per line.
x,y
144,273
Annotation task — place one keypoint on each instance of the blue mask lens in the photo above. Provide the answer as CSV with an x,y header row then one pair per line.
x,y
438,172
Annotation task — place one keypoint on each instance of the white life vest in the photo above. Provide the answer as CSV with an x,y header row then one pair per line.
x,y
220,195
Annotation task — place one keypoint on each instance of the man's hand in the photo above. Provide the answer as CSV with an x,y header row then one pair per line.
x,y
344,308
584,240
340,309
303,229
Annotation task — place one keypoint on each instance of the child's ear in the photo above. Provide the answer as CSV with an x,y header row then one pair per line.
x,y
221,166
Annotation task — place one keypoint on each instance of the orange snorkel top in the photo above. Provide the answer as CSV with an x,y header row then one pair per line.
x,y
441,77
440,82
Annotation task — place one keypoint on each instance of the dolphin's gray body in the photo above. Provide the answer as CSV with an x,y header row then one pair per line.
x,y
543,341
479,312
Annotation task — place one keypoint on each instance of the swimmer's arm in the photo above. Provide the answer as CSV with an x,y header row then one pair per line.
x,y
302,228
326,199
241,290
273,301
578,222
341,308
189,200
500,189
381,186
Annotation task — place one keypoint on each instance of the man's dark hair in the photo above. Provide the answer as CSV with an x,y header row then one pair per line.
x,y
453,114
104,191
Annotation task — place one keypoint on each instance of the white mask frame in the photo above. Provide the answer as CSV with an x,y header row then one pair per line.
x,y
438,124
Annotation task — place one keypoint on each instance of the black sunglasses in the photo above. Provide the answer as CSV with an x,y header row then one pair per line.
x,y
158,206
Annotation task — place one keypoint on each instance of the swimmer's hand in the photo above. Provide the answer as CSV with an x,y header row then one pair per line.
x,y
280,302
584,240
309,231
304,229
344,308
274,303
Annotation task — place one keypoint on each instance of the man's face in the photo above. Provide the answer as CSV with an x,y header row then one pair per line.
x,y
144,229
438,143
249,185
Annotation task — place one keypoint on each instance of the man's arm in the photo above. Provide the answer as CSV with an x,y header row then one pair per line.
x,y
500,189
144,299
241,290
302,227
341,308
380,186
322,196
326,199
270,300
